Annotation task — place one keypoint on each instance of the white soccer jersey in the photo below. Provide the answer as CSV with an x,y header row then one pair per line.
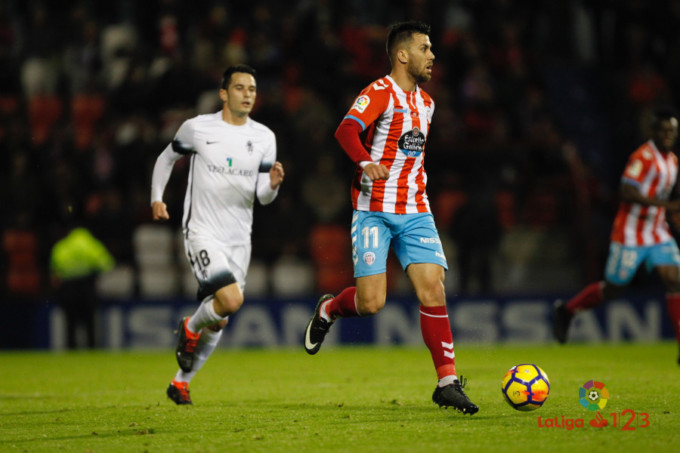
x,y
229,166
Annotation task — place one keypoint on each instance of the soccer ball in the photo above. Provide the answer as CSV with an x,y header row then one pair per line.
x,y
525,387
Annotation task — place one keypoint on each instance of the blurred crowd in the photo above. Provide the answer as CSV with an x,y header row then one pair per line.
x,y
538,105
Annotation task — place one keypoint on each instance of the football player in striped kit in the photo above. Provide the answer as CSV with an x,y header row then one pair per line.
x,y
232,161
640,234
385,133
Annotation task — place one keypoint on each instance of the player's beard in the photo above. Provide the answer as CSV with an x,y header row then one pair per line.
x,y
419,74
423,77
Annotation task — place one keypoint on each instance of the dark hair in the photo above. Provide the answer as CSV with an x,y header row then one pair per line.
x,y
662,114
402,31
226,77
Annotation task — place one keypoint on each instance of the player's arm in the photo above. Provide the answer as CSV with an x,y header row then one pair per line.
x,y
162,170
270,176
348,136
631,194
268,182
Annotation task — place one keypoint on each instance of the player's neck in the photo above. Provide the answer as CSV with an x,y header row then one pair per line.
x,y
230,118
404,80
660,147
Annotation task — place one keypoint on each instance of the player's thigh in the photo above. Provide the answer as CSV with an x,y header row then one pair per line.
x,y
622,263
416,240
229,298
371,293
215,265
665,258
428,281
670,276
371,238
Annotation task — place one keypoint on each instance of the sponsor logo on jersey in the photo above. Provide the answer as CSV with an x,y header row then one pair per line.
x,y
430,241
412,143
361,103
229,170
229,161
369,258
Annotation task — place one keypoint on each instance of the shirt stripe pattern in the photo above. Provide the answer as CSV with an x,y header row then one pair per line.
x,y
392,117
654,174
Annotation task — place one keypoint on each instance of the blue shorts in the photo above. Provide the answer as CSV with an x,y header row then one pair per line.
x,y
624,260
413,237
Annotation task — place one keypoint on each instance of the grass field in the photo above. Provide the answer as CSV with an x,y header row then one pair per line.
x,y
359,399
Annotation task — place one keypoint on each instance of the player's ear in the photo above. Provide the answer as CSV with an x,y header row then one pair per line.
x,y
402,56
223,95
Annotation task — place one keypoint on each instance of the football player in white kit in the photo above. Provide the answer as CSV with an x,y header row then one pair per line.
x,y
233,160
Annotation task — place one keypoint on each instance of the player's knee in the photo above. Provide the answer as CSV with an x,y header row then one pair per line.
x,y
228,304
610,291
368,306
673,286
432,294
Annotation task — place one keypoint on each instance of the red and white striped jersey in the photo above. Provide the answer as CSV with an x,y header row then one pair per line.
x,y
395,124
654,174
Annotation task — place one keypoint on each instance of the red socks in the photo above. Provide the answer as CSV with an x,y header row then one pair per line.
x,y
434,325
673,303
590,297
436,330
343,305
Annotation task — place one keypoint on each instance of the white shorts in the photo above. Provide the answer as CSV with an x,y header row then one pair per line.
x,y
216,265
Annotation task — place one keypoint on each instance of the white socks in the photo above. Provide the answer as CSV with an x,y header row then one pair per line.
x,y
203,316
446,380
206,345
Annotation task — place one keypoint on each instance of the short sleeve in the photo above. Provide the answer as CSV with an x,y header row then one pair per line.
x,y
637,167
370,104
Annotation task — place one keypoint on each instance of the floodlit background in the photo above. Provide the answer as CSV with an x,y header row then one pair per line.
x,y
538,105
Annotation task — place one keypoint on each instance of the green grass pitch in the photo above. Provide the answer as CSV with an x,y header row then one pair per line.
x,y
352,399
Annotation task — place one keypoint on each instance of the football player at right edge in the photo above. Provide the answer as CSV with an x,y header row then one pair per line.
x,y
640,234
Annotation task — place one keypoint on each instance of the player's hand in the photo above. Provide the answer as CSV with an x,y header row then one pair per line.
x,y
673,206
376,171
276,175
159,211
674,220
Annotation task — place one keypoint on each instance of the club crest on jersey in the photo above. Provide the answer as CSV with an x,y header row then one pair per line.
x,y
412,143
361,103
249,147
369,258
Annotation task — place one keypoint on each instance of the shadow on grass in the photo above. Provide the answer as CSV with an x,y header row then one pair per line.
x,y
393,411
36,412
94,435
